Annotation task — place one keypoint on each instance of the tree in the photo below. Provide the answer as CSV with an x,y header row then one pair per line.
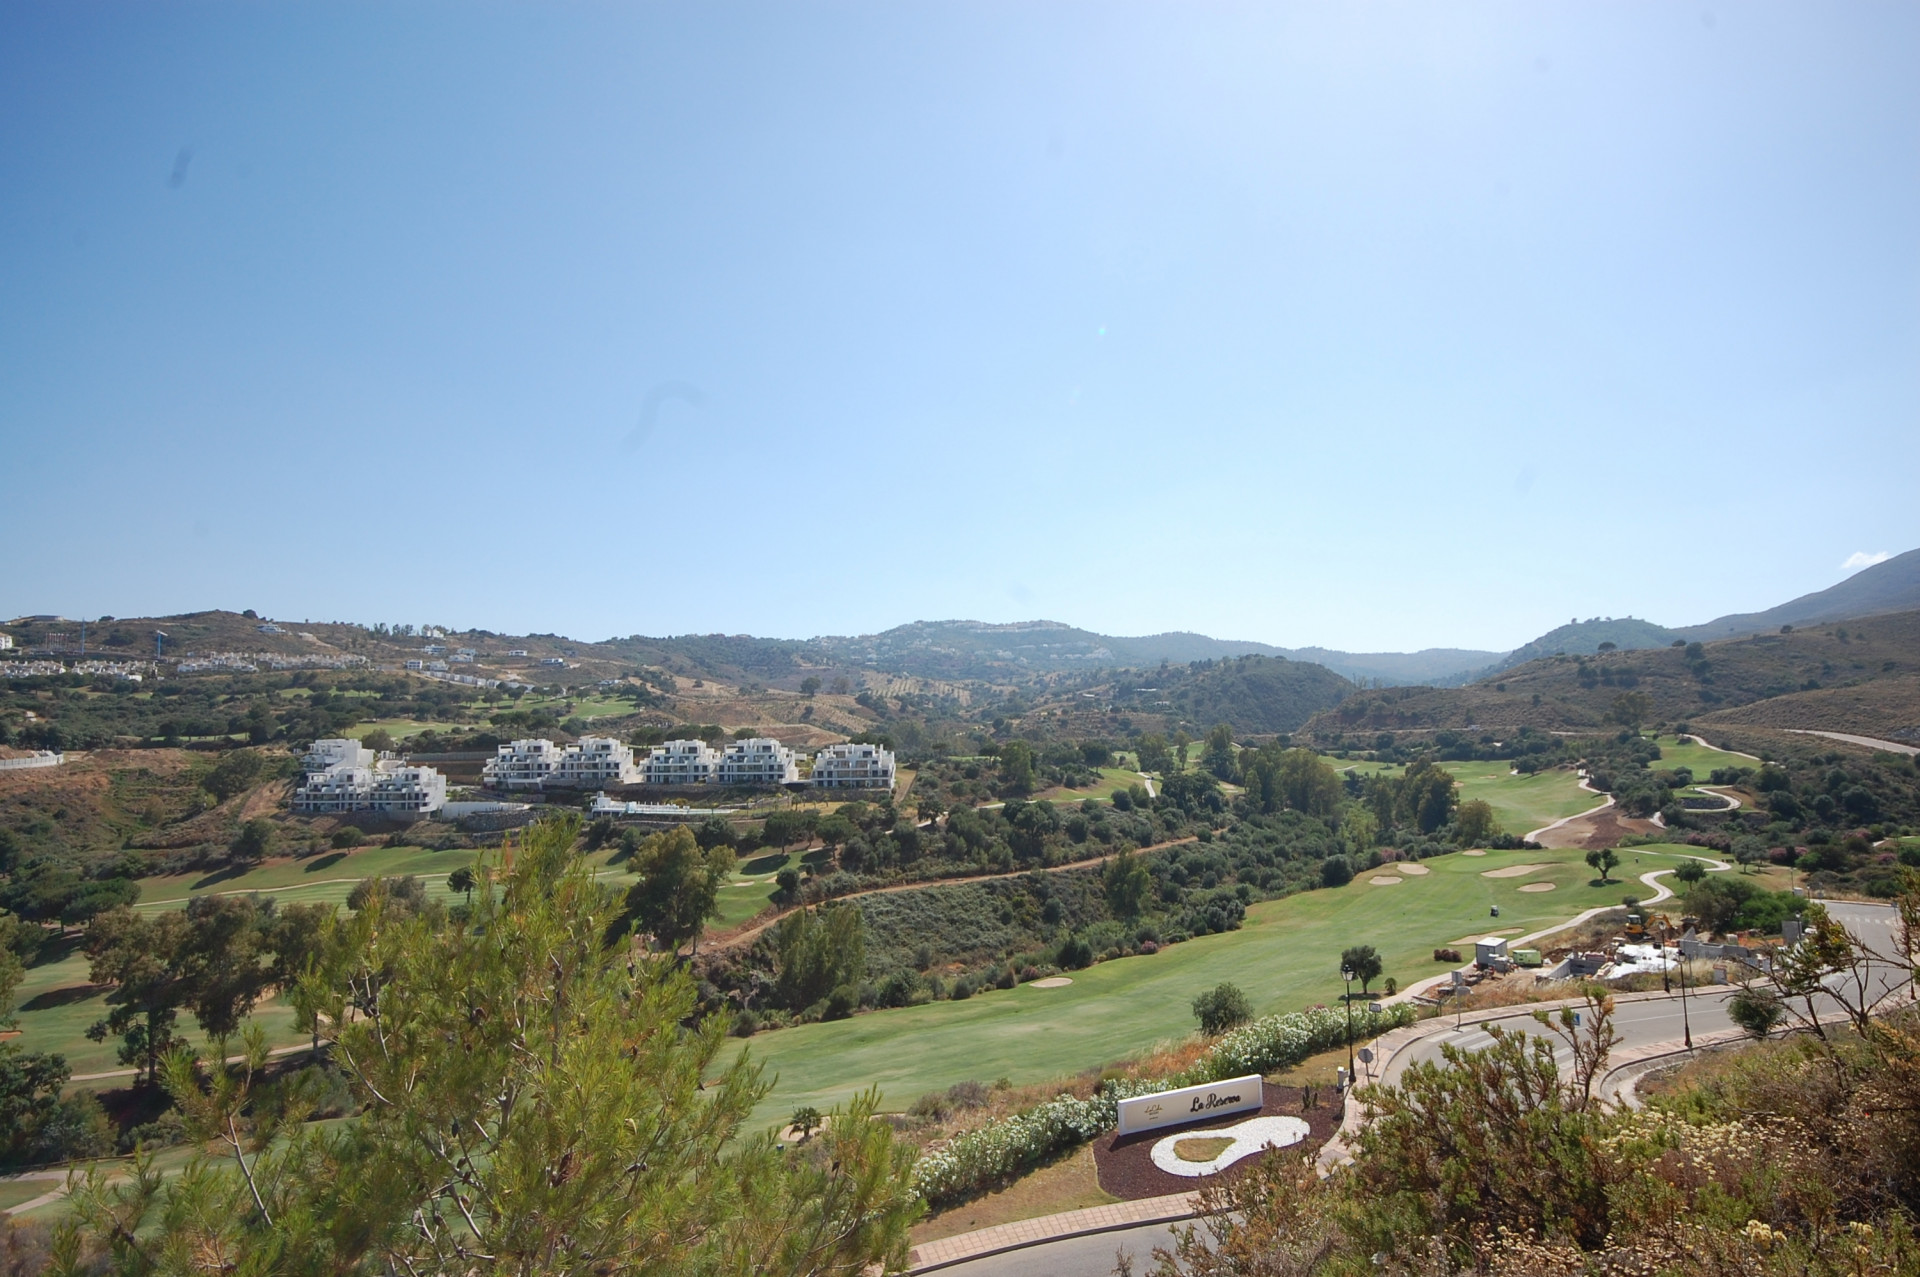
x,y
1221,1008
1475,823
1152,753
237,771
1630,709
818,951
532,1099
1221,758
679,887
1016,767
136,954
462,881
251,845
221,960
1126,882
1690,871
1426,797
1335,871
1603,859
1756,1011
785,827
810,685
1364,961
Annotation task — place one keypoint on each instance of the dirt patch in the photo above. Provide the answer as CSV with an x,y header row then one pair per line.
x,y
1407,867
1482,935
1386,881
1603,828
1538,886
1513,871
1125,1162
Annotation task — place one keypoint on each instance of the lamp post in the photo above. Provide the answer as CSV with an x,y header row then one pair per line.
x,y
1346,973
1686,1023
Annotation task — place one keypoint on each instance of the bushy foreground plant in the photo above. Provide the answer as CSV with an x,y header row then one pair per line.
x,y
531,1101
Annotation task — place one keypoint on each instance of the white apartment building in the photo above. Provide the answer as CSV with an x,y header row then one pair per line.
x,y
594,762
325,755
681,762
344,776
6,642
853,767
759,761
523,764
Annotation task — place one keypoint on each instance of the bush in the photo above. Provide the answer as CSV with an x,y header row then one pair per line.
x,y
841,1003
1075,953
1221,1008
1335,871
745,1024
347,836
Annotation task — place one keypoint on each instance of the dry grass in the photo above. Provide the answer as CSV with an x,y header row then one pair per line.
x,y
1068,1184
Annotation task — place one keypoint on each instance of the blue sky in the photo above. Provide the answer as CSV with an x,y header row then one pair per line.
x,y
1373,326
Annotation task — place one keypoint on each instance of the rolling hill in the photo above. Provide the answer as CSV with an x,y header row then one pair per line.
x,y
1893,586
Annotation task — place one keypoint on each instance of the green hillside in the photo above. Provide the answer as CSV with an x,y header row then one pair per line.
x,y
1258,694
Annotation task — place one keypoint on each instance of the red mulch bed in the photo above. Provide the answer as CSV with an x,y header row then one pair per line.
x,y
1125,1163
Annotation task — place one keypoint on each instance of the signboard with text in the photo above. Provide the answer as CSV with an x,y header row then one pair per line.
x,y
1191,1104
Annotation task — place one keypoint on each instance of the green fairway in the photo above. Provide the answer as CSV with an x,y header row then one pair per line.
x,y
398,728
1111,778
1523,803
57,1004
1700,759
1285,957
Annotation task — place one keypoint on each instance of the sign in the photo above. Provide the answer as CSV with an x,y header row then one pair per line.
x,y
1191,1104
1366,1055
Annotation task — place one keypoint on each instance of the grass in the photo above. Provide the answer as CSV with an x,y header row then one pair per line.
x,y
1111,778
1285,957
57,1005
1702,759
1522,804
398,728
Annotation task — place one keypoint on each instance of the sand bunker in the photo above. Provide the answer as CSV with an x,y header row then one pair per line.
x,y
1538,886
1475,852
1051,982
1513,871
1408,867
1384,881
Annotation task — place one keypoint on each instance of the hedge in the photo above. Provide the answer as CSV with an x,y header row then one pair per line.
x,y
979,1159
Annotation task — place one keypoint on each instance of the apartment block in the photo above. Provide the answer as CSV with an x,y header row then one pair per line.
x,y
853,767
681,762
522,764
759,761
595,762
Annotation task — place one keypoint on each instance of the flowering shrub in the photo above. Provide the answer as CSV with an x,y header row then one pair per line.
x,y
978,1159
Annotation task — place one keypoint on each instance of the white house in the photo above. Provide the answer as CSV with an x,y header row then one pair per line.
x,y
6,642
524,764
681,762
759,761
594,762
853,767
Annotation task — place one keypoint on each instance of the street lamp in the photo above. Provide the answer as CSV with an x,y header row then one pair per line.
x,y
1346,973
1685,1022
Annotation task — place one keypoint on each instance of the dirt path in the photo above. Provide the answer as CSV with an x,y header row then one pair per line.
x,y
1871,742
728,940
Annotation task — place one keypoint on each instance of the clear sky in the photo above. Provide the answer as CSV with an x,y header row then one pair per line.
x,y
1374,326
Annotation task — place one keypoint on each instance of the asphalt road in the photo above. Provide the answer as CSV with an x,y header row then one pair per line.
x,y
1648,1023
1092,1256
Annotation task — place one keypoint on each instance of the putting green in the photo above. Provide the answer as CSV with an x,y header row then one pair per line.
x,y
1285,957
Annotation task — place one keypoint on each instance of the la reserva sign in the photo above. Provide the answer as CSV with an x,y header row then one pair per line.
x,y
1191,1104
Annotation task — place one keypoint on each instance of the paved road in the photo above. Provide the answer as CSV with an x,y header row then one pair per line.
x,y
1091,1256
1648,1023
1871,742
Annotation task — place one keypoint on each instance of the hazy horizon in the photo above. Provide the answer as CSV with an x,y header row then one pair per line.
x,y
1373,330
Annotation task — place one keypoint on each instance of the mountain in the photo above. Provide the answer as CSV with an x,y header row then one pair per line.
x,y
1438,666
1893,586
1626,633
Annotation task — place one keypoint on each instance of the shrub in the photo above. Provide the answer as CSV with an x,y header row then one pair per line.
x,y
1221,1008
745,1024
1335,871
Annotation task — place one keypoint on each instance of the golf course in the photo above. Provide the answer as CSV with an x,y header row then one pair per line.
x,y
1286,956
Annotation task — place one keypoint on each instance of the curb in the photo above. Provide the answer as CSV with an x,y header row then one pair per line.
x,y
1115,1217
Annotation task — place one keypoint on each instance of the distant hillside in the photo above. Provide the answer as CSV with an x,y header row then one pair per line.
x,y
1893,586
1861,673
1442,666
1625,633
1257,694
